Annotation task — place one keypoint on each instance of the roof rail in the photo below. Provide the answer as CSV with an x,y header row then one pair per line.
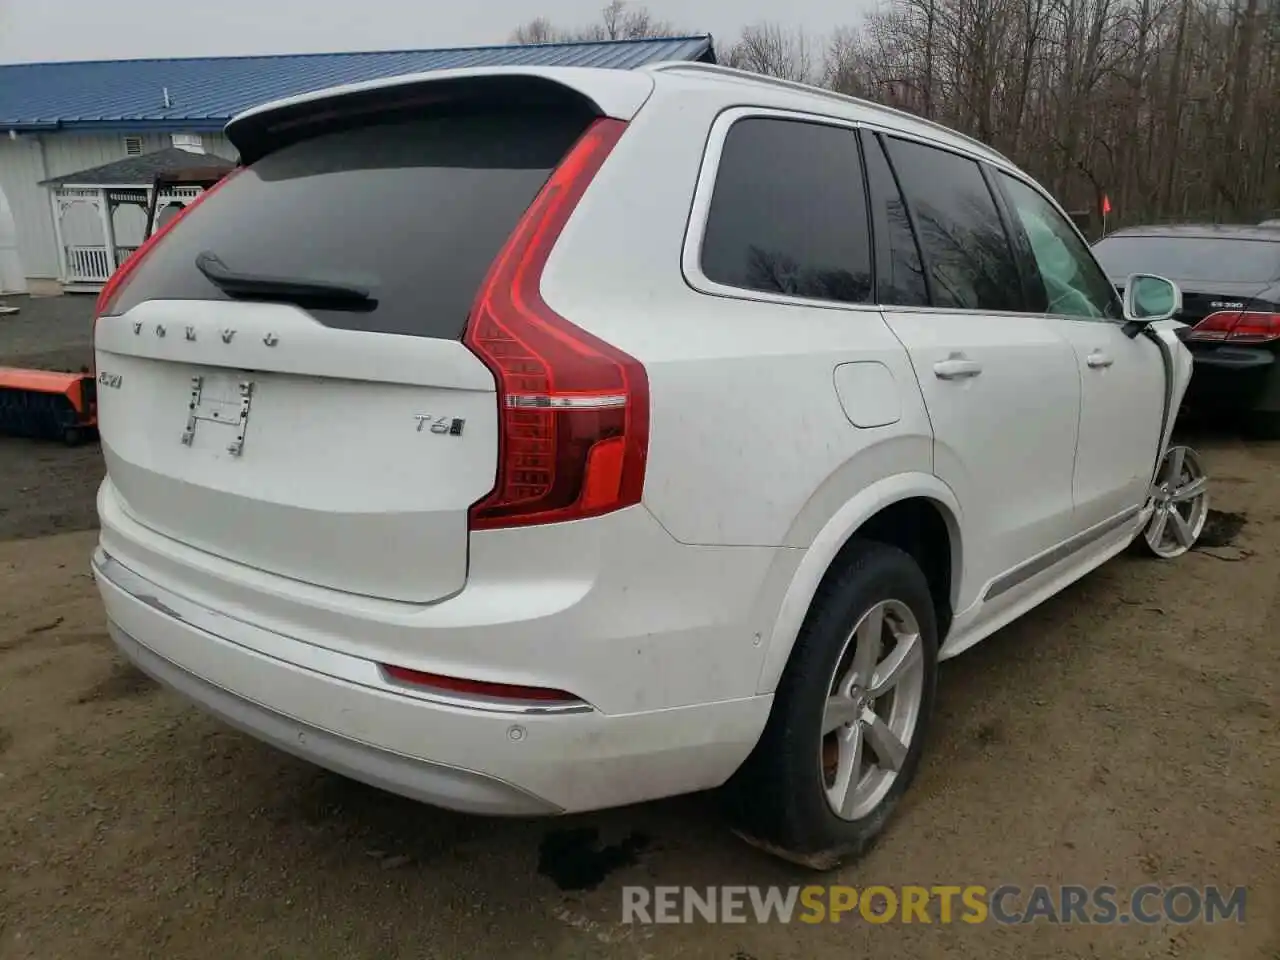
x,y
734,73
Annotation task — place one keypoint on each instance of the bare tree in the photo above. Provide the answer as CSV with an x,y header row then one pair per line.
x,y
1171,108
622,21
619,20
539,30
774,51
842,67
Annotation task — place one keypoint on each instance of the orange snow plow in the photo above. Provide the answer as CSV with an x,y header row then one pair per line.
x,y
47,404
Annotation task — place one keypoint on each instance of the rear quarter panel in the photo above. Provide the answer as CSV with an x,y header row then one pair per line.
x,y
749,445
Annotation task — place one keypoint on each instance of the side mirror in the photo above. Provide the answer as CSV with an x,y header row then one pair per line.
x,y
1149,299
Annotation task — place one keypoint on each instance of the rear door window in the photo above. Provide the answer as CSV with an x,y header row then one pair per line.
x,y
416,210
967,254
789,213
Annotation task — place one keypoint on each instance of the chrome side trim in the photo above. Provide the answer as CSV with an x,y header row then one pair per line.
x,y
302,653
1037,565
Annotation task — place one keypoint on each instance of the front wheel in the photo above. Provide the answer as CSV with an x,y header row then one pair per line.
x,y
1181,505
850,714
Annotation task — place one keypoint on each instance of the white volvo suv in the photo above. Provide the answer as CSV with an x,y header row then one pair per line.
x,y
530,441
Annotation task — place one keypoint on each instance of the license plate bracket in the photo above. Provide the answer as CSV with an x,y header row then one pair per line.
x,y
222,401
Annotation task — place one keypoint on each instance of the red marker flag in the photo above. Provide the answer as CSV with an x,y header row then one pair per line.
x,y
1106,205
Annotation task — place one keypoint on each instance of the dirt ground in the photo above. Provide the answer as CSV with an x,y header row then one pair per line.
x,y
45,488
1123,733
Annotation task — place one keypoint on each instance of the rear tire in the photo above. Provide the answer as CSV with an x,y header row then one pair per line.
x,y
72,436
789,797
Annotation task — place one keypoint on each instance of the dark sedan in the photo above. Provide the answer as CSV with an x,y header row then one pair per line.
x,y
1230,281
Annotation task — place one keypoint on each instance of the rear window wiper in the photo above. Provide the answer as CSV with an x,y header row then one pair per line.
x,y
297,289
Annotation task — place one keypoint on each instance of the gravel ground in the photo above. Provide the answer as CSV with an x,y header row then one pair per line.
x,y
49,333
1123,733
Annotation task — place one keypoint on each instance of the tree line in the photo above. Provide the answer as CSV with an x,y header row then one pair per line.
x,y
1170,108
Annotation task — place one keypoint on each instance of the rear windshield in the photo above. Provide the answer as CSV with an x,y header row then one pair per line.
x,y
414,210
1190,258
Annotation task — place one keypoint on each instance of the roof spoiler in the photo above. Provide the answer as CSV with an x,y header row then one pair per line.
x,y
605,92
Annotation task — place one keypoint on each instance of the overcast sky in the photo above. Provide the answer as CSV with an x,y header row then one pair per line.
x,y
117,29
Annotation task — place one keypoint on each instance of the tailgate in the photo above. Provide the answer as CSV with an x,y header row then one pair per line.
x,y
336,458
282,377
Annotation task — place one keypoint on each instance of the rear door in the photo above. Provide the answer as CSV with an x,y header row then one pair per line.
x,y
1000,383
1123,379
312,432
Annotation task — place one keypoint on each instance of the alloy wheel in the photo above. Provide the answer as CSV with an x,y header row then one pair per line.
x,y
1181,496
872,709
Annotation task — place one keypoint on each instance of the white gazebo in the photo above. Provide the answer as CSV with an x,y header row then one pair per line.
x,y
100,214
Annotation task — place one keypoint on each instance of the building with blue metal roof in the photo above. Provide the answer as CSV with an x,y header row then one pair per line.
x,y
58,119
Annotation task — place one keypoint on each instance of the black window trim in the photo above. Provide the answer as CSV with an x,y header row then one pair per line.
x,y
691,255
873,251
983,160
981,164
880,223
1033,292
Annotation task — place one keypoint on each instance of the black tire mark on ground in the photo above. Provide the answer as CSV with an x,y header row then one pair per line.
x,y
575,860
1221,529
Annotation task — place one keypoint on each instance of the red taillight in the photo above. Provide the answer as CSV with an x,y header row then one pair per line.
x,y
1215,326
1256,327
481,688
116,283
573,411
1246,326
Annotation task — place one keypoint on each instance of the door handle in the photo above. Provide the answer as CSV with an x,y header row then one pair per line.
x,y
956,368
1099,360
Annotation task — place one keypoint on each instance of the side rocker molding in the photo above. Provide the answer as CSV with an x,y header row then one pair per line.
x,y
828,543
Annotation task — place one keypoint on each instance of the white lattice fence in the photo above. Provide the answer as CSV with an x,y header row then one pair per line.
x,y
87,262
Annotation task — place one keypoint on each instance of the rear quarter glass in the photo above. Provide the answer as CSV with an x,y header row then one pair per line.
x,y
414,209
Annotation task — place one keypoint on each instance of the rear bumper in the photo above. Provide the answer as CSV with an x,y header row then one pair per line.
x,y
339,712
433,783
1230,377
